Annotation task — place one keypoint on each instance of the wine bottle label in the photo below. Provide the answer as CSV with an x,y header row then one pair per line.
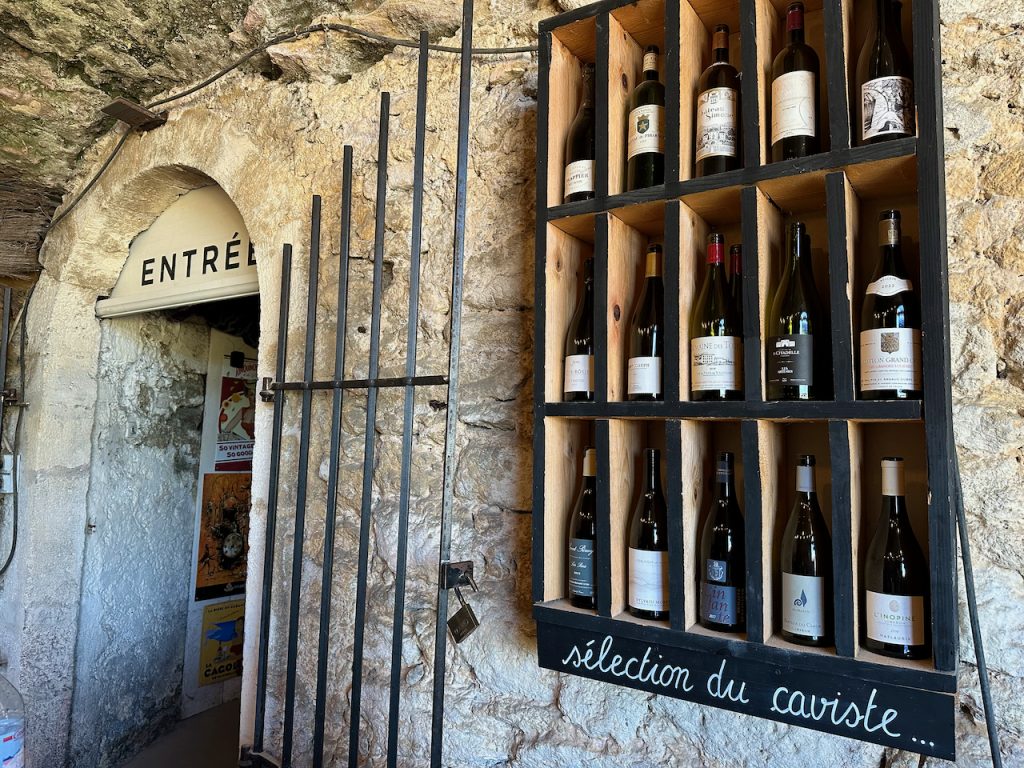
x,y
579,373
897,619
791,360
650,61
887,107
803,605
890,358
889,285
793,105
720,603
581,567
646,130
716,362
579,177
644,376
716,123
648,580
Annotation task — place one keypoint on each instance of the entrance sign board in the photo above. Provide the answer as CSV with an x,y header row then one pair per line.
x,y
198,250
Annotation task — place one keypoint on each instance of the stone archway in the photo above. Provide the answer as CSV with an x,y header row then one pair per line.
x,y
82,259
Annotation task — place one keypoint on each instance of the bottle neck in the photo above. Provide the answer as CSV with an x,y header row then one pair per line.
x,y
650,66
652,476
890,260
652,267
805,484
726,481
882,9
896,509
720,55
795,25
799,256
737,264
588,93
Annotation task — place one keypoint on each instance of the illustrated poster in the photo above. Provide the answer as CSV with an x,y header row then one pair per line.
x,y
220,656
236,418
223,535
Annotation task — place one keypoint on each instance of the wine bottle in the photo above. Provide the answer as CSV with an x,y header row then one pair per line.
x,y
578,378
648,546
736,281
896,612
647,334
718,109
580,152
722,567
645,129
795,110
885,109
796,345
582,537
890,323
806,560
716,334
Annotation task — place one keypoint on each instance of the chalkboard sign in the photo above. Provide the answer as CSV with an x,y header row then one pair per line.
x,y
838,193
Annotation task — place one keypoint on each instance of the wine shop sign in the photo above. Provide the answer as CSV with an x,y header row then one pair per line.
x,y
196,251
909,718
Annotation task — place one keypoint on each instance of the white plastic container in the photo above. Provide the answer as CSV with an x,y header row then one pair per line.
x,y
12,726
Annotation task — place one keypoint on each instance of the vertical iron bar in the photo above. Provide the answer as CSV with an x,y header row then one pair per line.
x,y
454,355
332,474
300,488
371,419
410,396
5,338
275,472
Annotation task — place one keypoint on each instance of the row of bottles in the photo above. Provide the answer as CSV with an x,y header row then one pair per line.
x,y
895,586
797,338
885,109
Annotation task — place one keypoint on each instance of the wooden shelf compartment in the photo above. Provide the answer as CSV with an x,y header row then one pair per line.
x,y
562,290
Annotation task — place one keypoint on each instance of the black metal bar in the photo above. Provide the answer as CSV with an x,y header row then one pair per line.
x,y
275,473
753,508
379,383
841,463
603,550
410,398
333,470
750,85
602,261
5,338
676,547
300,489
454,357
673,274
673,141
370,432
753,261
840,250
601,109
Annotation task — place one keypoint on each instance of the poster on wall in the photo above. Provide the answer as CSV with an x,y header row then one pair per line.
x,y
223,535
220,656
236,418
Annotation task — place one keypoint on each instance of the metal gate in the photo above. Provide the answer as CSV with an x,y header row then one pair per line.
x,y
450,575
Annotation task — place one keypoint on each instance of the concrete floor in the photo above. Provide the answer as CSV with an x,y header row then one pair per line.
x,y
208,740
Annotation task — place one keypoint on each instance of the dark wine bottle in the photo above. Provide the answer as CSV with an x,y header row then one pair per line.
x,y
795,113
718,110
580,152
578,378
895,610
722,567
885,72
648,546
645,128
806,560
736,280
890,323
796,347
582,537
716,334
647,334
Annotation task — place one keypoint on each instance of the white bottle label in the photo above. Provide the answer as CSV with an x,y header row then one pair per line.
x,y
579,373
716,123
897,619
890,358
889,285
803,605
646,130
648,580
644,376
716,362
793,105
887,107
579,177
650,61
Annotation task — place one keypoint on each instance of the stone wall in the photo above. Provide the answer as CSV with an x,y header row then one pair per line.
x,y
271,144
138,553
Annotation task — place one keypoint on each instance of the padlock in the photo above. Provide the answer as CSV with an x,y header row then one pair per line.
x,y
464,622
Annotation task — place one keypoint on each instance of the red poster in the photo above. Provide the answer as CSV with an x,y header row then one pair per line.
x,y
235,425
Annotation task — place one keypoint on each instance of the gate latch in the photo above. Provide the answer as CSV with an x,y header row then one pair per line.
x,y
454,575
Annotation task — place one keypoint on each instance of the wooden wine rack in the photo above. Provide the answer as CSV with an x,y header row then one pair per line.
x,y
839,194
